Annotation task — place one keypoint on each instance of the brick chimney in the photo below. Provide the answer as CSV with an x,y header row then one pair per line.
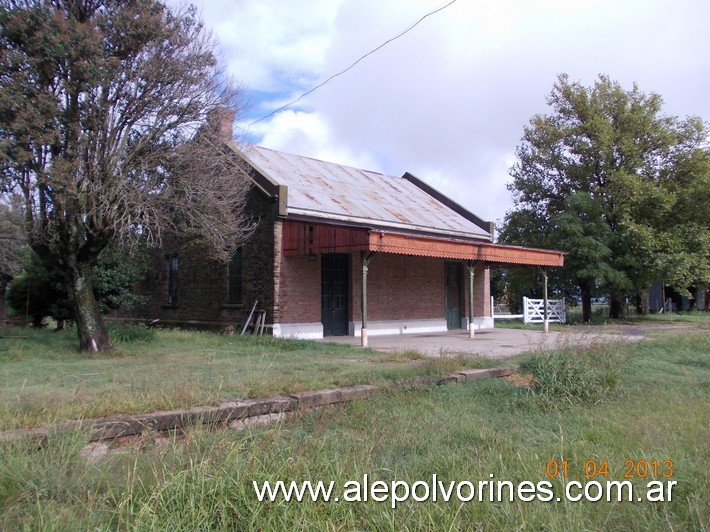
x,y
221,120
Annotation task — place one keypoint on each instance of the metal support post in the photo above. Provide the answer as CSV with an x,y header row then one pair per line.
x,y
545,322
470,265
365,258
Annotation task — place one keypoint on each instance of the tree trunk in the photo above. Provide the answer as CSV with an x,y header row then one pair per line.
x,y
617,308
642,303
693,298
3,291
89,322
586,302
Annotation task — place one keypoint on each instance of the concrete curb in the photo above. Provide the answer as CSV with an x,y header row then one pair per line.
x,y
473,374
113,427
336,395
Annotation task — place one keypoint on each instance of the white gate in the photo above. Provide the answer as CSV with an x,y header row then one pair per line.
x,y
534,310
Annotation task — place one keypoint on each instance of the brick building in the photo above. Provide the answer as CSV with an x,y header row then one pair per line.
x,y
339,250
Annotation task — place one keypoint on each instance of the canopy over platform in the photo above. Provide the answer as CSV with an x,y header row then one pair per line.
x,y
327,209
306,238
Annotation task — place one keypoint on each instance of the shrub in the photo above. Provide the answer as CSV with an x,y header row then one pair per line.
x,y
130,332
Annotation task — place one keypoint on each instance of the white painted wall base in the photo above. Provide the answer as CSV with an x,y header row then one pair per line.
x,y
375,328
479,322
302,331
314,331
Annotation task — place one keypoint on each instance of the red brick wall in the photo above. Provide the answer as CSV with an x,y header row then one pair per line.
x,y
403,287
298,296
288,288
399,287
202,283
481,291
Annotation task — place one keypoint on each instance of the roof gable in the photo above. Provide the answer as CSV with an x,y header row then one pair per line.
x,y
329,191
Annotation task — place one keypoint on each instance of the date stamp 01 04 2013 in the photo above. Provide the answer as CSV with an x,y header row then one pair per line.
x,y
600,468
631,470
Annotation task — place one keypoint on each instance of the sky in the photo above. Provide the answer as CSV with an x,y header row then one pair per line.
x,y
448,100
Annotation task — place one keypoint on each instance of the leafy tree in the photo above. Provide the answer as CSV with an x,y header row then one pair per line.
x,y
601,177
12,242
580,229
104,130
118,270
668,222
41,289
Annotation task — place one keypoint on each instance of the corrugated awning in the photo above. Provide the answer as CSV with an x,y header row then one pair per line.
x,y
304,238
452,249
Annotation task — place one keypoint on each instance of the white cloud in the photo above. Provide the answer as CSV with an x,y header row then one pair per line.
x,y
448,101
306,134
269,43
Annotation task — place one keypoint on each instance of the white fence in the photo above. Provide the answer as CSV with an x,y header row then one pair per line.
x,y
535,310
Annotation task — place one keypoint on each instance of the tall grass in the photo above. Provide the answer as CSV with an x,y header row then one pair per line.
x,y
658,410
570,375
124,333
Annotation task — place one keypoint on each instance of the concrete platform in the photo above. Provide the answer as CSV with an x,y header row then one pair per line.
x,y
492,343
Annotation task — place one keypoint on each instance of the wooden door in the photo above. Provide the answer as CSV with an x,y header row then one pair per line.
x,y
334,294
453,294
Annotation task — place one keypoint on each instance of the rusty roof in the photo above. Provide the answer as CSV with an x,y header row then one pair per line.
x,y
324,190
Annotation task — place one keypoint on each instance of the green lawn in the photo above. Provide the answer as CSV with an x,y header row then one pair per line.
x,y
642,401
43,377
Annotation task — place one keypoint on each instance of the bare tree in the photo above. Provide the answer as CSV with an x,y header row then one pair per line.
x,y
104,108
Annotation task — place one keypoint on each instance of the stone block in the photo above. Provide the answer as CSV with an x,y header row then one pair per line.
x,y
258,421
502,372
450,379
272,405
231,410
165,420
471,374
109,428
38,434
333,395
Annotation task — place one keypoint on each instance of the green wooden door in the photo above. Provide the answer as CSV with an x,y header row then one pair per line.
x,y
453,294
334,294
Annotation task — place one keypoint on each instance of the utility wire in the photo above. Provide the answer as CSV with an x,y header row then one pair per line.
x,y
400,34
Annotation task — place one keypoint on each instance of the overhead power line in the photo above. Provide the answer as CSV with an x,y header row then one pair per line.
x,y
400,34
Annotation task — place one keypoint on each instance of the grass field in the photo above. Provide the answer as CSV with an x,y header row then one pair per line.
x,y
43,377
610,403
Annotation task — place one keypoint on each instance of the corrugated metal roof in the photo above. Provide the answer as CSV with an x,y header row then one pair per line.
x,y
331,191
